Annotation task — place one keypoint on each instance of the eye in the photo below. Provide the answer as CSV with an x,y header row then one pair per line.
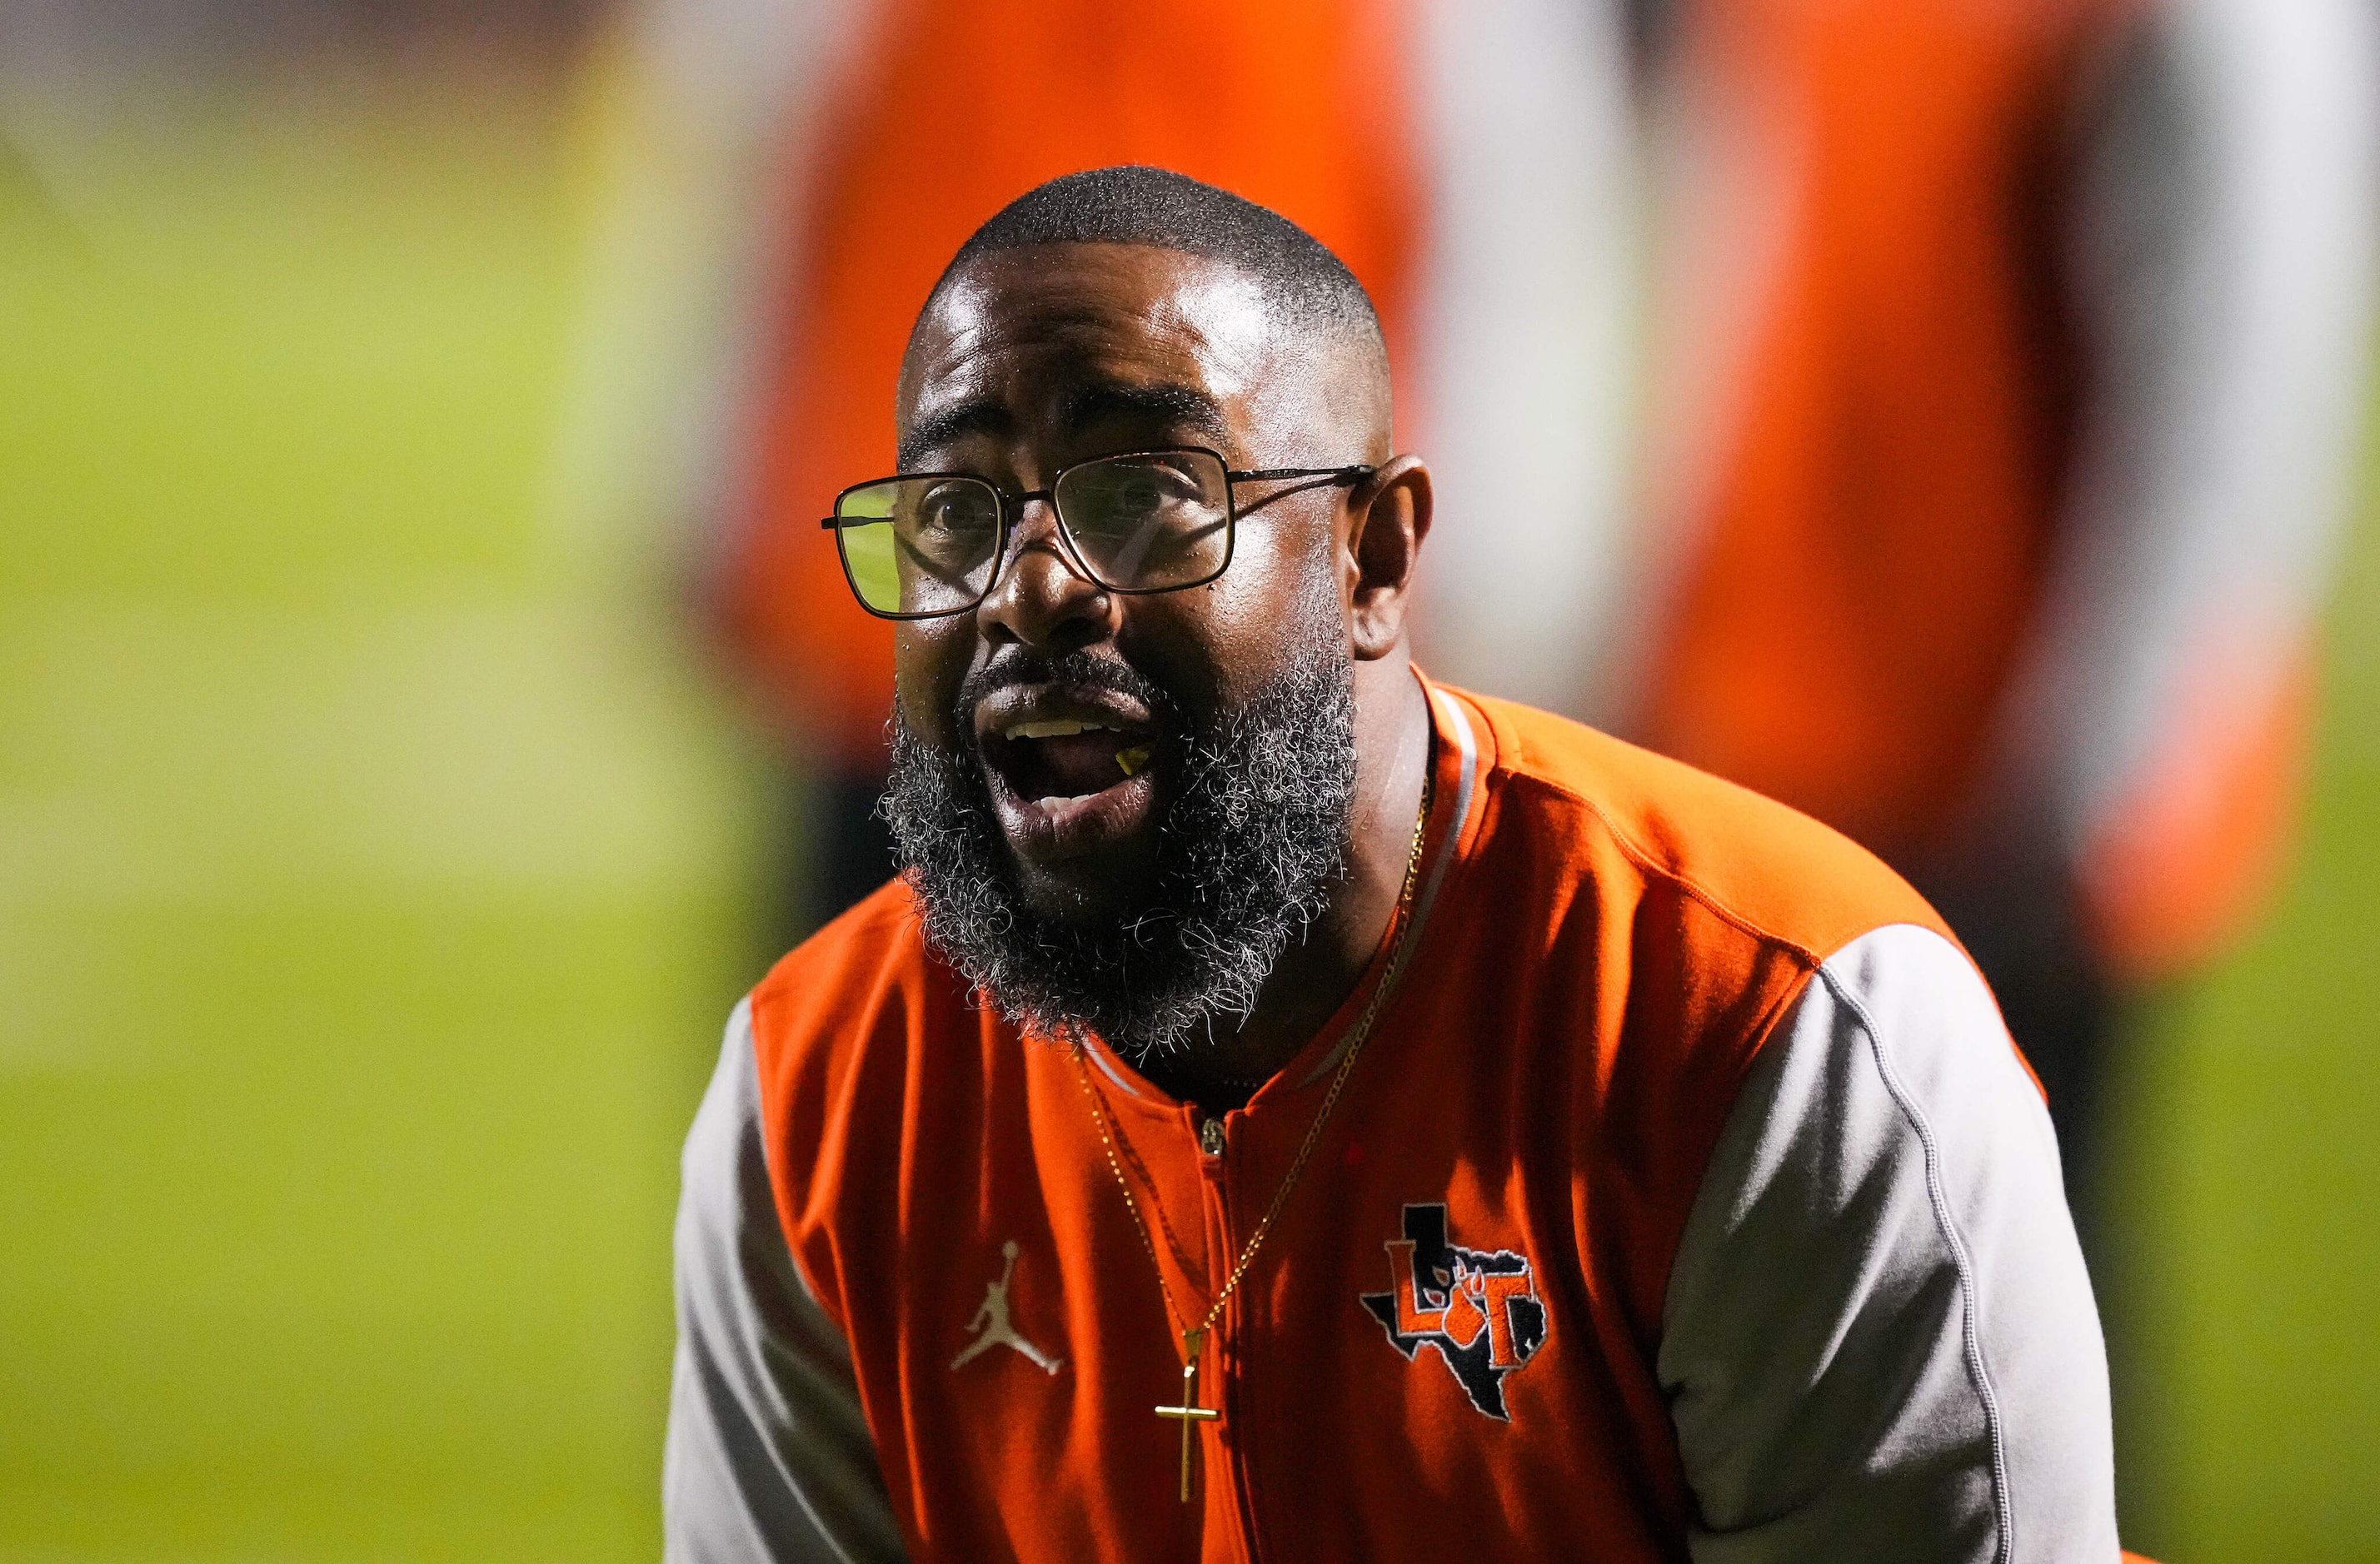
x,y
954,510
1147,487
1127,495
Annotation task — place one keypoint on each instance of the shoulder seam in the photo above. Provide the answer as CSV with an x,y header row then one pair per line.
x,y
1971,1330
1650,865
780,1219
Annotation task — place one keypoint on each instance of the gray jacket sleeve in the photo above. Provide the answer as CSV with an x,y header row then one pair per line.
x,y
769,1459
1879,1340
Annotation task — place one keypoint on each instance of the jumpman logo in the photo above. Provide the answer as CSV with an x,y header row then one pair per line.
x,y
990,1327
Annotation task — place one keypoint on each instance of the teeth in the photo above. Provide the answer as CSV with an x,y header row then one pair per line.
x,y
1060,729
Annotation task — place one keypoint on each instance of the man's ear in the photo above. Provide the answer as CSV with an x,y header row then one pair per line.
x,y
1389,515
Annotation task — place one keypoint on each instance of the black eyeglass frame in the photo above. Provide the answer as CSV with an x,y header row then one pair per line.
x,y
1012,503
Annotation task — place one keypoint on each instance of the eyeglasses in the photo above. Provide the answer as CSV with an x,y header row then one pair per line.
x,y
919,545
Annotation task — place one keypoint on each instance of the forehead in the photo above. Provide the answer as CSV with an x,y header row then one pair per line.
x,y
1015,341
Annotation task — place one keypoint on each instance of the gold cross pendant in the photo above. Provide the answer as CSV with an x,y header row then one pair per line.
x,y
1190,1413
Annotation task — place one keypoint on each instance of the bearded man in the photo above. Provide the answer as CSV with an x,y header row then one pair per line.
x,y
1286,1107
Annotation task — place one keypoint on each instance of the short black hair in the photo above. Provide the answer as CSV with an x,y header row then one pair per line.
x,y
1135,204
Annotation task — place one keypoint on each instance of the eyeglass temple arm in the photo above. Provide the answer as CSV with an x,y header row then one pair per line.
x,y
1355,474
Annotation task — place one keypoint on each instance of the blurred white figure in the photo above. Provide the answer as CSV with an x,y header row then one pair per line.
x,y
1525,321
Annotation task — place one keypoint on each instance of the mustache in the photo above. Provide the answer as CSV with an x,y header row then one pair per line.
x,y
1069,669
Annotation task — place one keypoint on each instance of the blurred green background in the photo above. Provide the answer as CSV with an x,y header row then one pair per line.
x,y
373,875
368,854
2251,1169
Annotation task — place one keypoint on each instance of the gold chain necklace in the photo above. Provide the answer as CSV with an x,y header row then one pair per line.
x,y
1190,1414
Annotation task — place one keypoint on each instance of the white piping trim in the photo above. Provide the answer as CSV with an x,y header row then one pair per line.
x,y
1098,1052
1971,1328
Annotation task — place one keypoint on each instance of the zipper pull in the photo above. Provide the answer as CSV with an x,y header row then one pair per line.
x,y
1210,1137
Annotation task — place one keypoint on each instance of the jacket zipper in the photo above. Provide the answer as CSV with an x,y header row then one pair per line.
x,y
1213,1145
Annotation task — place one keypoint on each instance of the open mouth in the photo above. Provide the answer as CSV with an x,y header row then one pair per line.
x,y
1067,776
1062,759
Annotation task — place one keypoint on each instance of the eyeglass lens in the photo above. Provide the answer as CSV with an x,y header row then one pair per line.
x,y
1140,522
919,545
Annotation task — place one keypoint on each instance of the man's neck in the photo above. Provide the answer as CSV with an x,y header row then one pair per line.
x,y
1314,976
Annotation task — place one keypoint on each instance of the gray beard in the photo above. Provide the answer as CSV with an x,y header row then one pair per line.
x,y
1251,847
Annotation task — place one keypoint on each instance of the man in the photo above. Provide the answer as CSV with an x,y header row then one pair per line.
x,y
1382,1120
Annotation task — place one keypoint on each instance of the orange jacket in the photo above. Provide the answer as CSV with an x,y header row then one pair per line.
x,y
1477,1318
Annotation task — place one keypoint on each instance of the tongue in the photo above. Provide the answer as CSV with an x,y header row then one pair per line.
x,y
1067,767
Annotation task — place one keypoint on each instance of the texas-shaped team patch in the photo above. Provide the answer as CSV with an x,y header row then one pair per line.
x,y
1479,1308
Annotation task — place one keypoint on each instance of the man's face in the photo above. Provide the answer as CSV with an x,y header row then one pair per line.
x,y
1102,771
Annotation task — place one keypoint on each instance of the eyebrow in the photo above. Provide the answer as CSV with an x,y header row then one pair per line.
x,y
951,424
1181,406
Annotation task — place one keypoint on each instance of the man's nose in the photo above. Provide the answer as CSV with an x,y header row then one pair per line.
x,y
1041,598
